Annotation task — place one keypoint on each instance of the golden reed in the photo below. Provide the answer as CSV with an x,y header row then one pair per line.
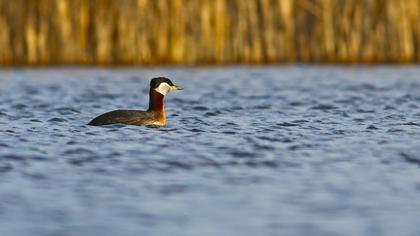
x,y
111,32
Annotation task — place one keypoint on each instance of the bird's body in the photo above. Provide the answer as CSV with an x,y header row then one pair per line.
x,y
130,117
154,116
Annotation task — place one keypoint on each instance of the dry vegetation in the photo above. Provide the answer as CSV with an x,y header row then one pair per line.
x,y
208,31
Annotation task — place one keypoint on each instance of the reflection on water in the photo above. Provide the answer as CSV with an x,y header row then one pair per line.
x,y
247,151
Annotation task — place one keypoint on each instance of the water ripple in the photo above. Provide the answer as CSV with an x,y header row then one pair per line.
x,y
267,138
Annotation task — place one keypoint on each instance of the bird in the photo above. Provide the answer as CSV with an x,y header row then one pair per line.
x,y
154,116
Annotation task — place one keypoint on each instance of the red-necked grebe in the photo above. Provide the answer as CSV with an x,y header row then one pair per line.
x,y
154,116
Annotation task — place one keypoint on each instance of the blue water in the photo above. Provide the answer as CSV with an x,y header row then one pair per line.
x,y
296,150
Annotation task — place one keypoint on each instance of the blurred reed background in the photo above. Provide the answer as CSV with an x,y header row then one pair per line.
x,y
108,32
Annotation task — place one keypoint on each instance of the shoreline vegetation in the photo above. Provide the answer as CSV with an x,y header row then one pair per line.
x,y
207,32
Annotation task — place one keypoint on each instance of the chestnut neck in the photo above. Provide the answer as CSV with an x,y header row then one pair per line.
x,y
156,101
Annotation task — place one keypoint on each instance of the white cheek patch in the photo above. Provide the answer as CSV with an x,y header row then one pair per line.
x,y
163,88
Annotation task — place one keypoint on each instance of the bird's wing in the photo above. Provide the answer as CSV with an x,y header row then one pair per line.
x,y
121,117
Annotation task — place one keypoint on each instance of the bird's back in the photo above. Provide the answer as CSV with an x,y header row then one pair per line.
x,y
130,117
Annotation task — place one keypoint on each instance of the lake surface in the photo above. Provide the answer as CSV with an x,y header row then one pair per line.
x,y
294,150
